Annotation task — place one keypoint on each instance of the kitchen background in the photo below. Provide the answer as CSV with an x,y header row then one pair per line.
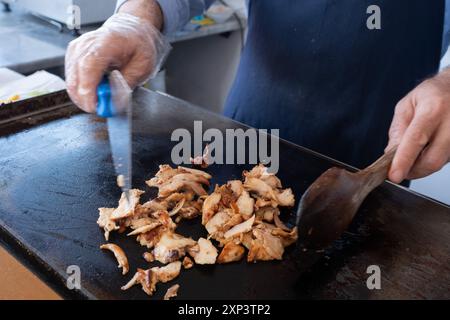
x,y
200,68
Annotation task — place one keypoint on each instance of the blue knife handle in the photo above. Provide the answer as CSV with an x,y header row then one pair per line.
x,y
105,107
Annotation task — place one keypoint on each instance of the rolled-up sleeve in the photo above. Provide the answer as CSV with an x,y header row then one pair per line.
x,y
178,12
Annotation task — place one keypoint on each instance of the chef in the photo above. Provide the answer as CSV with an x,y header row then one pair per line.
x,y
345,78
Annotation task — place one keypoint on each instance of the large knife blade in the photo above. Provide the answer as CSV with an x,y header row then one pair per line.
x,y
114,104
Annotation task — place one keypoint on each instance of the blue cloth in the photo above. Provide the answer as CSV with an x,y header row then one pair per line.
x,y
314,70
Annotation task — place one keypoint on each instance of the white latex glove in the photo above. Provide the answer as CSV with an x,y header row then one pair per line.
x,y
125,42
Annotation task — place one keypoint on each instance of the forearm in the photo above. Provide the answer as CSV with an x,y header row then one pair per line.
x,y
174,13
148,10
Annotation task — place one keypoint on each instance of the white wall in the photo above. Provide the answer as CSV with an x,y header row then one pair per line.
x,y
202,71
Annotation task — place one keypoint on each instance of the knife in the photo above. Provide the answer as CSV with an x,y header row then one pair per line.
x,y
114,104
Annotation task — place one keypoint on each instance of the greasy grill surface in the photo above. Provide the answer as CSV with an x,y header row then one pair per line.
x,y
53,177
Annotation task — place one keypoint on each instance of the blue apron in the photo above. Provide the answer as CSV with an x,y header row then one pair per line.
x,y
314,70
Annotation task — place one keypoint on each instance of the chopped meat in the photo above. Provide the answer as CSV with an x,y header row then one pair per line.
x,y
164,174
261,203
149,278
145,229
146,278
126,209
164,218
210,206
245,204
286,198
259,187
148,256
261,172
287,238
187,263
150,206
244,227
279,223
171,247
137,223
267,213
177,208
183,181
236,187
231,252
169,180
168,272
204,160
149,239
105,221
216,223
196,172
227,196
119,254
238,215
265,246
246,239
204,252
190,210
233,221
172,292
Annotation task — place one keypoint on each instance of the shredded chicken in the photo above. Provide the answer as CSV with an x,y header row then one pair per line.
x,y
148,256
146,278
240,228
231,252
204,252
169,180
105,221
265,246
144,229
149,278
126,209
168,272
203,161
119,254
259,187
187,263
171,247
215,224
240,215
172,292
210,206
245,204
236,187
248,213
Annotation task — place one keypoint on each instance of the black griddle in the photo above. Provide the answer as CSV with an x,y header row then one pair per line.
x,y
56,170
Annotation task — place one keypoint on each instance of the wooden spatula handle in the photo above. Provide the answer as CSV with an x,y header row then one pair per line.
x,y
378,171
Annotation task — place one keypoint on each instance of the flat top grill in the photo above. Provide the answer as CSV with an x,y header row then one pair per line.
x,y
55,173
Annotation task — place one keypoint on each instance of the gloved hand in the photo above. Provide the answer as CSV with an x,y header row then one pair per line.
x,y
125,42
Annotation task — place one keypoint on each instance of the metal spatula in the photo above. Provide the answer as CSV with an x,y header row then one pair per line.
x,y
328,206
